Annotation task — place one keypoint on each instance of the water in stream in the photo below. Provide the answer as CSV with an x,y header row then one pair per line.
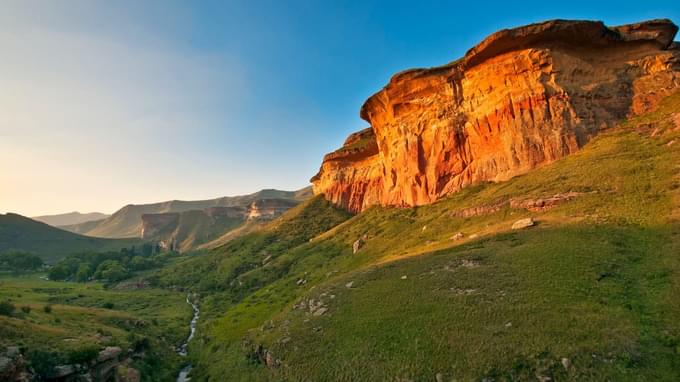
x,y
184,373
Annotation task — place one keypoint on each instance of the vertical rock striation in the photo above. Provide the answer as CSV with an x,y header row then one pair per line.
x,y
521,98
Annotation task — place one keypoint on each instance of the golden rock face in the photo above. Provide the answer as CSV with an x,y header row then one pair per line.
x,y
521,98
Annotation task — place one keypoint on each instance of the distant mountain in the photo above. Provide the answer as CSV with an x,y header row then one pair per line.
x,y
70,218
21,233
127,222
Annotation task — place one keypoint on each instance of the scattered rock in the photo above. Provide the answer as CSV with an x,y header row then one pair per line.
x,y
424,228
13,351
465,263
349,284
301,282
62,371
357,245
439,377
457,236
463,291
320,311
266,259
473,236
110,352
566,363
508,325
523,223
404,277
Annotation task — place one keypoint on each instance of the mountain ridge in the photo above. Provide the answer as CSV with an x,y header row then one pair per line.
x,y
127,221
70,218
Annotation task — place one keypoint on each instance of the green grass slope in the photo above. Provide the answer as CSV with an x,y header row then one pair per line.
x,y
51,244
88,316
592,286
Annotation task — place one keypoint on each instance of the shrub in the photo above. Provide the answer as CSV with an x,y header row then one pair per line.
x,y
83,356
108,305
43,362
6,308
26,309
47,308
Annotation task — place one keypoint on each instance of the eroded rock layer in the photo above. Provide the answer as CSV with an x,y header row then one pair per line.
x,y
521,98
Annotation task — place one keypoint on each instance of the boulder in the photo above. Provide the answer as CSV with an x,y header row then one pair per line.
x,y
523,223
357,245
110,352
457,236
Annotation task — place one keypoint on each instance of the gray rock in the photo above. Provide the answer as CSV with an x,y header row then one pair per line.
x,y
349,284
320,311
108,353
439,377
566,363
63,371
523,223
5,364
13,351
357,245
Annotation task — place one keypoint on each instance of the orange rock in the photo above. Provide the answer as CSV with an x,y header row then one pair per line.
x,y
521,98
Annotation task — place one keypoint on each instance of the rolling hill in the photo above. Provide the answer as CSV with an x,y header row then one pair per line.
x,y
70,218
23,234
127,222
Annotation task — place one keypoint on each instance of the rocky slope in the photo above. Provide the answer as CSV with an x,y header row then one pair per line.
x,y
521,98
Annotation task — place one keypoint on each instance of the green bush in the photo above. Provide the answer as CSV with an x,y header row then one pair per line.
x,y
47,308
83,356
6,308
26,309
43,362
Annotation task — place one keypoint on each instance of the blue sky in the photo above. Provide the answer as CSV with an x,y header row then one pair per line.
x,y
108,103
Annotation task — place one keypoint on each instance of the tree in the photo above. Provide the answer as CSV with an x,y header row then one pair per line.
x,y
110,270
139,263
58,272
17,261
84,272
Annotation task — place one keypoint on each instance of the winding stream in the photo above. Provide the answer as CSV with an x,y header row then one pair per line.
x,y
184,373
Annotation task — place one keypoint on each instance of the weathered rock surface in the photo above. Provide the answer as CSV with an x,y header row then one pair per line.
x,y
523,223
521,98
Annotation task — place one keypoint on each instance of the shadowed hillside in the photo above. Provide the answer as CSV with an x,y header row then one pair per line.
x,y
21,233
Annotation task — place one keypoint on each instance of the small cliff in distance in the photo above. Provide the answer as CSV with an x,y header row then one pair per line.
x,y
186,230
521,98
127,222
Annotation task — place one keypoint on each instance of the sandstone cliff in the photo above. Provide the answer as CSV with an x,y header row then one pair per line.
x,y
521,98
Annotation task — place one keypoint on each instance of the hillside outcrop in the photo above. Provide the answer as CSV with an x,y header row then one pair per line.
x,y
521,98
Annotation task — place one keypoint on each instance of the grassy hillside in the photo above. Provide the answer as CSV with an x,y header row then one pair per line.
x,y
21,233
127,221
586,294
87,316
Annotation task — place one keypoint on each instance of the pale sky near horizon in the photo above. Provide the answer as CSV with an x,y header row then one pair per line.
x,y
105,103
